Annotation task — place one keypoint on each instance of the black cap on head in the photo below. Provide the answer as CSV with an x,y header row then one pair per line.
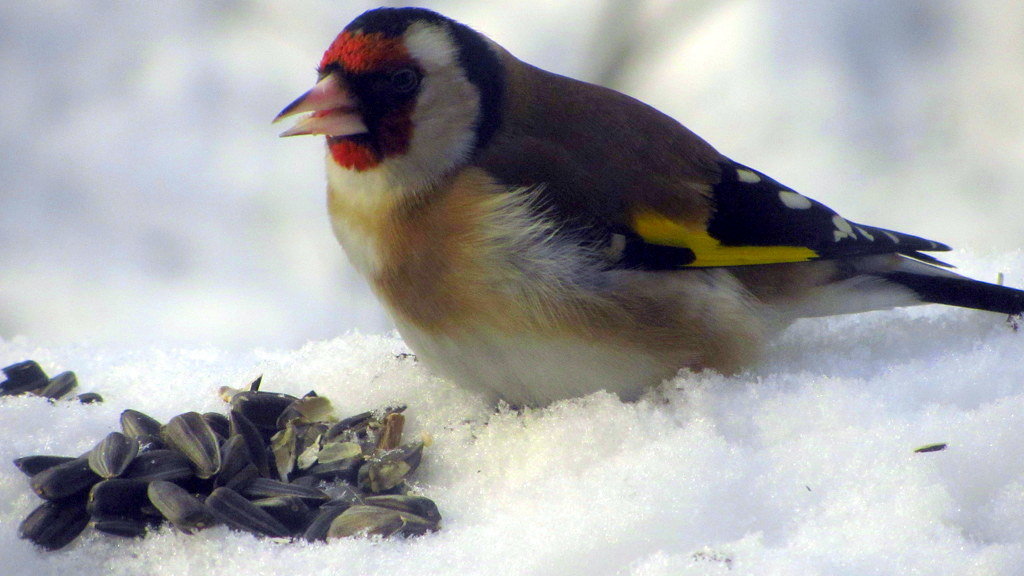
x,y
393,22
477,59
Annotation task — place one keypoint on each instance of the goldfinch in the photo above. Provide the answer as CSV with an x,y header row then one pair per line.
x,y
536,237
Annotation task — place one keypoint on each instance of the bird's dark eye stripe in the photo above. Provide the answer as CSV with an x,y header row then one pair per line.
x,y
400,82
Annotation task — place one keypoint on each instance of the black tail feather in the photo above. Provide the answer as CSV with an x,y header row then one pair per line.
x,y
962,292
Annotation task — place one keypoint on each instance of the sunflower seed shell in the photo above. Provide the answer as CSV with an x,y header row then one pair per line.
x,y
236,512
418,505
135,424
191,435
374,521
118,498
59,386
113,454
32,465
186,512
64,480
160,464
53,525
23,377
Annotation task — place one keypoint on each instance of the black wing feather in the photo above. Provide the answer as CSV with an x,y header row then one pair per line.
x,y
752,209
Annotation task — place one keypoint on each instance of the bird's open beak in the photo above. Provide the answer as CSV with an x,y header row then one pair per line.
x,y
334,111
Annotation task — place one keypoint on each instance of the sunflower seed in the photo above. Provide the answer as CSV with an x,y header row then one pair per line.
x,y
23,377
375,521
418,505
235,457
118,498
321,523
32,465
53,525
267,488
135,424
160,464
350,424
233,509
189,434
59,385
113,454
262,408
291,511
186,512
241,426
241,480
64,480
89,398
218,423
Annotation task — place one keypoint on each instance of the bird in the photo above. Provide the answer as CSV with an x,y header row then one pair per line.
x,y
536,238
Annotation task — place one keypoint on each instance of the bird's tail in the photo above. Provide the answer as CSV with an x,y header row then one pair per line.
x,y
960,291
893,280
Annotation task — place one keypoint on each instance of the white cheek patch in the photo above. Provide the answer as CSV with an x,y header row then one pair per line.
x,y
794,201
445,114
431,46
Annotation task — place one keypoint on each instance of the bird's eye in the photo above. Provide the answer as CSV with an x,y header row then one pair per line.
x,y
404,80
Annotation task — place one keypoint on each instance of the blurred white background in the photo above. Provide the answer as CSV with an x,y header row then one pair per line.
x,y
146,199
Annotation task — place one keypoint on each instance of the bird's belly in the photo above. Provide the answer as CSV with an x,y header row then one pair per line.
x,y
535,370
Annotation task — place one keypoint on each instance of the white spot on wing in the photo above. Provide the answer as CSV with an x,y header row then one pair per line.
x,y
865,234
795,201
616,246
748,176
895,239
843,228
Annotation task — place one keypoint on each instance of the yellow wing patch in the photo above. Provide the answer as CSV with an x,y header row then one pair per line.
x,y
657,229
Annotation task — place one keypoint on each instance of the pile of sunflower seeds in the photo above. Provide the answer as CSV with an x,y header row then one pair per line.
x,y
275,466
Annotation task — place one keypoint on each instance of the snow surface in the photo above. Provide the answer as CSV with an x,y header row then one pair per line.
x,y
805,465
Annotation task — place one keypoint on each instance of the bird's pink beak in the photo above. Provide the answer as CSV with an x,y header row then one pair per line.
x,y
334,111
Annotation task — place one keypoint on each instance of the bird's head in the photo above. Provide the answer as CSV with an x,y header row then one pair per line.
x,y
404,89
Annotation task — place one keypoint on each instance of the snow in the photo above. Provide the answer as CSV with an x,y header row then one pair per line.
x,y
805,465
